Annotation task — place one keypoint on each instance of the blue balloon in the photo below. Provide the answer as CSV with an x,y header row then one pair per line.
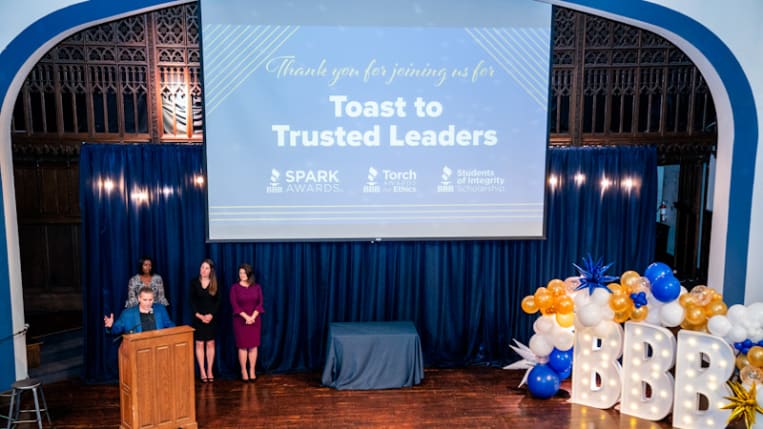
x,y
565,374
543,382
559,360
656,270
666,288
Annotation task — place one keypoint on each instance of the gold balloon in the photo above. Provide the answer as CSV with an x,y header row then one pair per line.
x,y
702,294
750,374
686,299
547,311
616,289
631,280
556,287
528,305
755,356
565,320
622,316
571,284
695,314
716,297
741,361
645,284
543,298
564,304
640,313
700,327
715,308
619,303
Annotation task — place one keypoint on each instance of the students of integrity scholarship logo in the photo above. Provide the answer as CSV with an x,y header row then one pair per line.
x,y
479,181
446,185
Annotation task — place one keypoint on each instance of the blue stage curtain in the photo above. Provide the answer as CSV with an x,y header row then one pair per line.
x,y
463,296
136,200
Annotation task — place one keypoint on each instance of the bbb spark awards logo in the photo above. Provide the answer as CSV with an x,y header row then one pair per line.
x,y
304,181
274,186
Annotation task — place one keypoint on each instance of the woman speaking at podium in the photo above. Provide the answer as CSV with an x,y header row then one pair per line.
x,y
146,316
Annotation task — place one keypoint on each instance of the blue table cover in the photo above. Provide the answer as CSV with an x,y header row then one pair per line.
x,y
373,355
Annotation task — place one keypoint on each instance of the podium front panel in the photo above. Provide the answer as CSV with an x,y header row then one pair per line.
x,y
156,379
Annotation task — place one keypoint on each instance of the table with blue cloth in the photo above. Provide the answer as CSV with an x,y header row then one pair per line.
x,y
373,355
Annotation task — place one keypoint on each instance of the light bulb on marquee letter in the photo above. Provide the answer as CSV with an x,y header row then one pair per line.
x,y
648,355
703,365
595,369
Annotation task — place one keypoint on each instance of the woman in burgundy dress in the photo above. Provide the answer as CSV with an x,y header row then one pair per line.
x,y
246,302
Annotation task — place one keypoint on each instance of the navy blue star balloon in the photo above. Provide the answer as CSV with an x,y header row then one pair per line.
x,y
592,275
639,299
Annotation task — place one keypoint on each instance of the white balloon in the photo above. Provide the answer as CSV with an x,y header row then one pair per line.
x,y
755,311
756,335
581,298
589,315
600,296
563,339
601,330
719,325
755,308
651,301
607,313
737,314
544,324
749,323
671,314
737,333
540,345
653,317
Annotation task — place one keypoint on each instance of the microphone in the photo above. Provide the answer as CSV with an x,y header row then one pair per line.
x,y
132,330
151,318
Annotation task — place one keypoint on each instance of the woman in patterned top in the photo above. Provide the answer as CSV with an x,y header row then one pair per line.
x,y
145,277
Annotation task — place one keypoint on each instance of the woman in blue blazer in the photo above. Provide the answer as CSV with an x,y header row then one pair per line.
x,y
146,316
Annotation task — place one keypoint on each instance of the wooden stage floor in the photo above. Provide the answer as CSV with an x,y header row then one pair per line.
x,y
477,397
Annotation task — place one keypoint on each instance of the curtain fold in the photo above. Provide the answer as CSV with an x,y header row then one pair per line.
x,y
463,296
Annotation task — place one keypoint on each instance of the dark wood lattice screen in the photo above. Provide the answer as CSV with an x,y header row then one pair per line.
x,y
612,84
132,80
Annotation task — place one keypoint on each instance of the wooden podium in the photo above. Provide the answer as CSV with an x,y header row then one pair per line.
x,y
156,386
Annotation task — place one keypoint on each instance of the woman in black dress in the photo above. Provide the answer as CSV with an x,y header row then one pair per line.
x,y
205,301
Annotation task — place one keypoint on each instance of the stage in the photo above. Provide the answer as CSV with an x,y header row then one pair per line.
x,y
479,397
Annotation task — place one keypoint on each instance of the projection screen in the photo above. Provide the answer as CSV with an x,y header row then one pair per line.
x,y
375,120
